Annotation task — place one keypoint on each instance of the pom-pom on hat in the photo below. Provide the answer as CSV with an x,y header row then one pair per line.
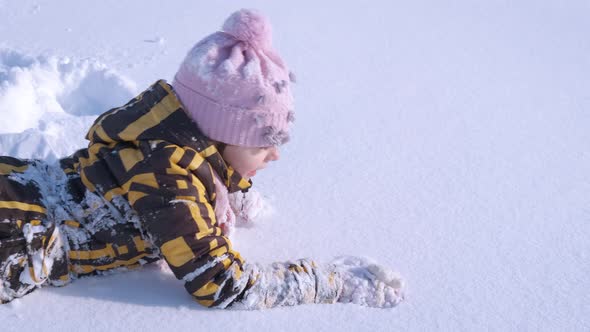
x,y
235,86
249,26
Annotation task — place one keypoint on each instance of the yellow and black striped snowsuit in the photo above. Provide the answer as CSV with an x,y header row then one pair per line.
x,y
143,189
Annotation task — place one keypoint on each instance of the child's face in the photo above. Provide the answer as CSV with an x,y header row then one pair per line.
x,y
247,161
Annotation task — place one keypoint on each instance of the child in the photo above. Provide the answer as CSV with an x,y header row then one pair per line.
x,y
155,181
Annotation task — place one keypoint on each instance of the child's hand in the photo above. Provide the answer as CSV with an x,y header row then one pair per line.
x,y
248,207
367,283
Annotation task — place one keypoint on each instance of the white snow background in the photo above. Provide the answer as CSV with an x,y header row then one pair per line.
x,y
449,140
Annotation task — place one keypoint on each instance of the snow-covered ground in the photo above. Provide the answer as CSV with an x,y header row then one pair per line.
x,y
448,140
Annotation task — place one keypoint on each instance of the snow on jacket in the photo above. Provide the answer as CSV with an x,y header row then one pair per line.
x,y
145,189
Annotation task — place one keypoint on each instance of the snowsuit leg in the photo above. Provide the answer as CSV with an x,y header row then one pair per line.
x,y
31,246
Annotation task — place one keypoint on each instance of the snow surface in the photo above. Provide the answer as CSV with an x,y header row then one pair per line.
x,y
447,140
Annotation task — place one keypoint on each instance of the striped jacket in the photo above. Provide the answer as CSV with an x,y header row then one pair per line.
x,y
144,189
153,155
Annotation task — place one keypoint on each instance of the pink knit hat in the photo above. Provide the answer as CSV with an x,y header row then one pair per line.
x,y
234,85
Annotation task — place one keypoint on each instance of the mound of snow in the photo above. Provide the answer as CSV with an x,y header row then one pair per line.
x,y
48,102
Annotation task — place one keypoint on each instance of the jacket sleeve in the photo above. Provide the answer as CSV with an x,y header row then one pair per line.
x,y
178,217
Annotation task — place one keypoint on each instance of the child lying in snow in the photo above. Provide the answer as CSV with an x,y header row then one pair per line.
x,y
157,180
